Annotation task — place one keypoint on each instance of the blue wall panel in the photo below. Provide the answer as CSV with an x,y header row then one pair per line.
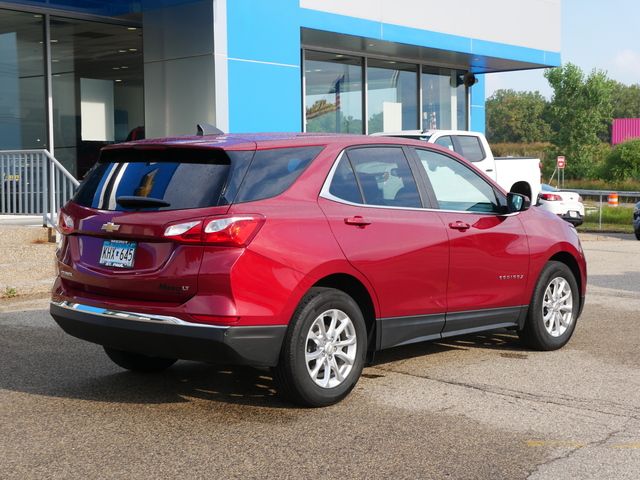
x,y
478,117
264,97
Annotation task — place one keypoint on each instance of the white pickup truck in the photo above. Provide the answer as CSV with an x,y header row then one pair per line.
x,y
514,174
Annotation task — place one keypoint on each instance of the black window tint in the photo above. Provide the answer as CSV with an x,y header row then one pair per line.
x,y
456,186
183,178
471,148
344,184
385,177
273,171
445,142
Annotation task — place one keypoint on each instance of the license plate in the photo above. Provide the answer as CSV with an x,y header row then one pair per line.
x,y
573,214
118,253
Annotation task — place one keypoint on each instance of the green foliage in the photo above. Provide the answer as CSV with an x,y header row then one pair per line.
x,y
614,186
623,163
517,117
611,215
579,113
625,100
10,292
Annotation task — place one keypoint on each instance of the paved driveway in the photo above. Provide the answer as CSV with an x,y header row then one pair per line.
x,y
474,407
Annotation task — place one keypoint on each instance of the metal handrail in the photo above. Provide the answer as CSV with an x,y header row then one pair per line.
x,y
34,182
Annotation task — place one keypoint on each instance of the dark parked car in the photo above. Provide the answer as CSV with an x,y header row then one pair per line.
x,y
304,253
636,220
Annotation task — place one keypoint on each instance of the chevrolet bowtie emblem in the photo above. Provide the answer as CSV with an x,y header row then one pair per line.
x,y
110,227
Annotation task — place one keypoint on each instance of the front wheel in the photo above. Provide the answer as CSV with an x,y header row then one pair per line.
x,y
637,232
324,350
553,310
137,362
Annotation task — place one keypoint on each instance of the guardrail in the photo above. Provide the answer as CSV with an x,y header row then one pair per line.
x,y
33,182
604,194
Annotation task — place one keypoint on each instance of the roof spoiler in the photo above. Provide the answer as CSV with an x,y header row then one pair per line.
x,y
207,129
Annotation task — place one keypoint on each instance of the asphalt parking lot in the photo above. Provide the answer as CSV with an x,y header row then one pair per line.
x,y
479,406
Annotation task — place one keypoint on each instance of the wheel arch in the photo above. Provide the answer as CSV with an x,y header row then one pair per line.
x,y
570,261
353,287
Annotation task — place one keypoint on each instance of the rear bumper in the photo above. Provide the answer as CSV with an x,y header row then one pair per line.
x,y
575,221
170,337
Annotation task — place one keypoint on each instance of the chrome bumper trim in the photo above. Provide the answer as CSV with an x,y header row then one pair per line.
x,y
132,316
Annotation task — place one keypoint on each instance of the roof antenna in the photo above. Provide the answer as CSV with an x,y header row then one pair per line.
x,y
207,129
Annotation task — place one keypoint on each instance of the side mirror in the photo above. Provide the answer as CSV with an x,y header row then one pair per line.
x,y
517,202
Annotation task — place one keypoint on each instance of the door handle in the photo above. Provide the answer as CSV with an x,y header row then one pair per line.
x,y
357,220
458,225
489,170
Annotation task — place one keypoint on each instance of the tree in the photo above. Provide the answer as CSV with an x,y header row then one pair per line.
x,y
580,113
625,100
623,163
517,117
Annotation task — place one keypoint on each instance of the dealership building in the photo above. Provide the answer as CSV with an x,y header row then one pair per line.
x,y
78,74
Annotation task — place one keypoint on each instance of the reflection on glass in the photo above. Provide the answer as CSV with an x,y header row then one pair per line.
x,y
436,98
333,93
444,99
392,96
22,81
97,86
461,94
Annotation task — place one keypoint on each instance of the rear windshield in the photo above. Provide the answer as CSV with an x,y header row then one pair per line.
x,y
177,179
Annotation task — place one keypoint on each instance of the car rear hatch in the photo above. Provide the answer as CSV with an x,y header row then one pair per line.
x,y
120,227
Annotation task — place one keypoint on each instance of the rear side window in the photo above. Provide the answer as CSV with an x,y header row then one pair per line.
x,y
344,184
470,148
176,178
273,171
445,142
385,177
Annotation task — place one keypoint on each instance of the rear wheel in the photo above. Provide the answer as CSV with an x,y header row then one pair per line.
x,y
137,362
553,311
637,234
324,350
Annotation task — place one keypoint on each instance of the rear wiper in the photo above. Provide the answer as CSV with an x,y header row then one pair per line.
x,y
141,202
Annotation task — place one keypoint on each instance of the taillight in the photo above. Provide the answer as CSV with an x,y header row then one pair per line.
x,y
580,199
233,231
550,197
65,223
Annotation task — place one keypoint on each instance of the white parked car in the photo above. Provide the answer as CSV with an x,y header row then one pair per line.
x,y
567,205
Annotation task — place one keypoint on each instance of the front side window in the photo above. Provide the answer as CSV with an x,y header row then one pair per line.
x,y
457,187
384,177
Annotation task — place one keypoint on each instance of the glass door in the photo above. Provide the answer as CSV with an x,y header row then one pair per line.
x,y
98,89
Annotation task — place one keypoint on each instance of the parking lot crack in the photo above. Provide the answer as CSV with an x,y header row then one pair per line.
x,y
576,449
603,407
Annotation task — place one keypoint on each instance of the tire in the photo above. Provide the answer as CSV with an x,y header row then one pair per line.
x,y
637,232
314,368
137,362
553,310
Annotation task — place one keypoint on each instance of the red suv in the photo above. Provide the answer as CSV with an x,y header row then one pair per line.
x,y
305,253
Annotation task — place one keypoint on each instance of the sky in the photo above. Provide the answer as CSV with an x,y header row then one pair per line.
x,y
594,34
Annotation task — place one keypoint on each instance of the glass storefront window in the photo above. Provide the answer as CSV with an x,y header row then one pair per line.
x,y
444,99
22,81
463,107
392,96
333,93
98,88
